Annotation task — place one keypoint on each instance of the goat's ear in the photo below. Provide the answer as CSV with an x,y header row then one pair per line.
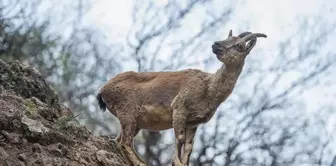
x,y
230,34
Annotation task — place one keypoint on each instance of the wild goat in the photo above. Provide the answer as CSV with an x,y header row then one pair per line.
x,y
181,100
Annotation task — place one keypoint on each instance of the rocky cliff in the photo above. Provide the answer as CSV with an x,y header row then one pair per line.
x,y
35,129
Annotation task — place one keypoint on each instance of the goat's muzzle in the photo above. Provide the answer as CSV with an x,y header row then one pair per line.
x,y
217,48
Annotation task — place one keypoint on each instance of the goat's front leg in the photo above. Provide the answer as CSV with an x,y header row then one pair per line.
x,y
188,145
179,125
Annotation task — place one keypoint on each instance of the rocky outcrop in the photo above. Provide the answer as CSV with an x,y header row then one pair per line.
x,y
36,130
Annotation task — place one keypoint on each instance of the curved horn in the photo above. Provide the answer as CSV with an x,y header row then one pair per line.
x,y
230,33
250,36
244,34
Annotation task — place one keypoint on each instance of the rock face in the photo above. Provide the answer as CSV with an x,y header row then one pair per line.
x,y
36,130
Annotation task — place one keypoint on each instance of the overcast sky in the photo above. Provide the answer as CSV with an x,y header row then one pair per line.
x,y
261,15
276,18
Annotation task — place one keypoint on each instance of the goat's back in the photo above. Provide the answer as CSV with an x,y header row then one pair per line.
x,y
146,88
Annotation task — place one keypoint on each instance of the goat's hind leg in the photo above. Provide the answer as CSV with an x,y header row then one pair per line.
x,y
129,130
136,133
118,138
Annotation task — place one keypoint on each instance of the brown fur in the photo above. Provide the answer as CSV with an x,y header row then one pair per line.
x,y
181,100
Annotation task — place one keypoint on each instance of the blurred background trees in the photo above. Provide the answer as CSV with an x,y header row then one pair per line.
x,y
73,57
281,112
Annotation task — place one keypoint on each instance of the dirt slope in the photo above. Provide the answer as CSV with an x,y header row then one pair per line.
x,y
36,130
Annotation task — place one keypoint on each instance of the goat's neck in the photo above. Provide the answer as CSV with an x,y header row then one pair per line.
x,y
223,81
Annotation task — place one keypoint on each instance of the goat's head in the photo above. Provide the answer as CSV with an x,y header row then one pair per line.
x,y
234,49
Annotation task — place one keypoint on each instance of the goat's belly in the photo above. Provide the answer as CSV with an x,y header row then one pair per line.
x,y
155,118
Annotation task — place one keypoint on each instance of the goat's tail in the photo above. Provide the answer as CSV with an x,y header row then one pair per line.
x,y
101,103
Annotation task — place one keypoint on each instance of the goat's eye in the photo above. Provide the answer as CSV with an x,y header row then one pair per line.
x,y
239,47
